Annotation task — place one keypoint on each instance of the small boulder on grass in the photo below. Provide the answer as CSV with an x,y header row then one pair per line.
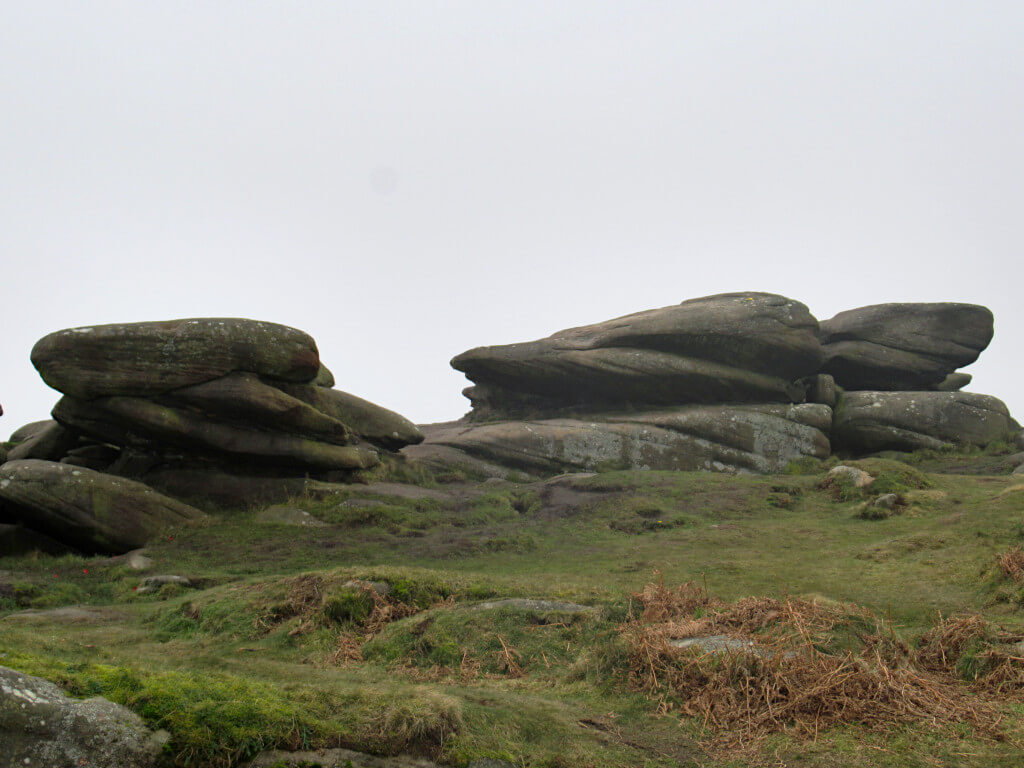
x,y
881,507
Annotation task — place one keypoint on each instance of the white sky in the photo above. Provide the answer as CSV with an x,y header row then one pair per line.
x,y
408,180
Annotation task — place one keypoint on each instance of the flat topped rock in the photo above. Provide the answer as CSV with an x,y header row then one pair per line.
x,y
904,346
154,357
739,347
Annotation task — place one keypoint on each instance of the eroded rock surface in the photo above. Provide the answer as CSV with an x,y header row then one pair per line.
x,y
866,422
41,726
89,510
759,438
904,346
741,347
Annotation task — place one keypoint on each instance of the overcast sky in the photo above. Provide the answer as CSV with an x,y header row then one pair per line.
x,y
405,181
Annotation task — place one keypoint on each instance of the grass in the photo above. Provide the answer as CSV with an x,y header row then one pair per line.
x,y
285,644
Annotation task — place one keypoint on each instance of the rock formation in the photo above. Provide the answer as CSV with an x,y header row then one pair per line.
x,y
211,398
735,382
733,348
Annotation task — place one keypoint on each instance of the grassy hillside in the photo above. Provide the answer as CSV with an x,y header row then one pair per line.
x,y
285,641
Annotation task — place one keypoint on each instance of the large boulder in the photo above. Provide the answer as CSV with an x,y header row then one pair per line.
x,y
155,357
739,347
866,422
754,438
92,511
41,726
903,346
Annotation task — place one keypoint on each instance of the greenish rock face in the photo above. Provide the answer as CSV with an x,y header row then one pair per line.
x,y
370,421
40,726
743,347
152,358
867,422
89,510
908,347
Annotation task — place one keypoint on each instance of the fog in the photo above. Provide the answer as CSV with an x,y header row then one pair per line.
x,y
408,180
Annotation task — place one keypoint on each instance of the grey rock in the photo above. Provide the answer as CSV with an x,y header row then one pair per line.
x,y
858,477
86,509
886,501
41,726
50,442
23,433
757,438
98,456
903,346
821,388
954,382
155,357
282,514
867,422
1019,470
742,347
324,378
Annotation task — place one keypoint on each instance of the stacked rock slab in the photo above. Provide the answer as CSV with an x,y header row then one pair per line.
x,y
731,348
898,366
716,383
233,392
209,397
734,382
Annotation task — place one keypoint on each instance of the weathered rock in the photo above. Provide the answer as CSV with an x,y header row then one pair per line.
x,y
759,438
903,346
18,540
886,501
1019,470
242,398
131,420
24,432
89,510
857,477
954,382
821,388
719,644
50,442
867,422
41,726
282,514
98,456
155,357
324,378
743,347
373,423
